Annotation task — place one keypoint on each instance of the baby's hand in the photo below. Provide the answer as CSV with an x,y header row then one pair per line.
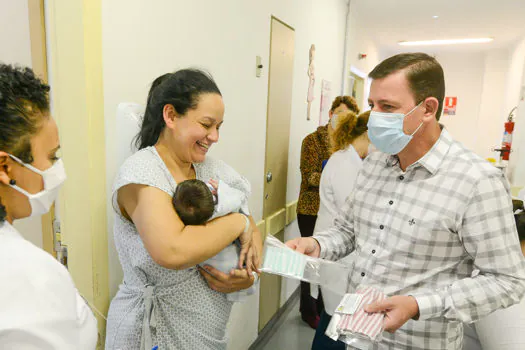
x,y
215,185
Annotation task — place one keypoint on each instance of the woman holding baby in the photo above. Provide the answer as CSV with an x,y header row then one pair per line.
x,y
166,300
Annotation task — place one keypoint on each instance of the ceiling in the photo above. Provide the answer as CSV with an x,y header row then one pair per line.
x,y
387,22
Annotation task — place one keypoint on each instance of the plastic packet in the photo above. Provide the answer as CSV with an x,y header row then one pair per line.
x,y
280,259
352,325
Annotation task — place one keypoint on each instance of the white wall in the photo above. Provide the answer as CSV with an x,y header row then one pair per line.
x,y
149,39
15,48
515,83
464,79
492,107
15,45
360,42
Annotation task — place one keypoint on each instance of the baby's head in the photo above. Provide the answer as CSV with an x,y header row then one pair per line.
x,y
194,202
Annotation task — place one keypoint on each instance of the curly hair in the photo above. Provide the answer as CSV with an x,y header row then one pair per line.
x,y
349,127
348,101
24,105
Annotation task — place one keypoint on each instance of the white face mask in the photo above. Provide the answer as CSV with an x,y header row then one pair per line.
x,y
53,177
333,121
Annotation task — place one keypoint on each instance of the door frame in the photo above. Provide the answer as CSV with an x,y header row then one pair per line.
x,y
274,222
37,37
272,18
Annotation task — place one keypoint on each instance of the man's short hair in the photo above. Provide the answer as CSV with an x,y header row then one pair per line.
x,y
424,74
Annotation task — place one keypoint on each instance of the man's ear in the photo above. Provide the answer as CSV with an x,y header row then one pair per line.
x,y
431,105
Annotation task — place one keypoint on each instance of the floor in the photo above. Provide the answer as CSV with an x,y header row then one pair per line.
x,y
293,334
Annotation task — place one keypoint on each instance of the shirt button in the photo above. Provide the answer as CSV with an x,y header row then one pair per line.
x,y
401,178
382,227
362,274
391,202
373,251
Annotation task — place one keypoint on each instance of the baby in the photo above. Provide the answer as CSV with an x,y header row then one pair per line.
x,y
197,202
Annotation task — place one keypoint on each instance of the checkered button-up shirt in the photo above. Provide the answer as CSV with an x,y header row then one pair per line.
x,y
442,231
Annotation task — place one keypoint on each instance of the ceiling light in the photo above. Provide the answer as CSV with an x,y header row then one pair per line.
x,y
435,17
446,42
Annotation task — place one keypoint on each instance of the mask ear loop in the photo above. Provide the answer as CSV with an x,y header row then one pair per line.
x,y
420,125
26,165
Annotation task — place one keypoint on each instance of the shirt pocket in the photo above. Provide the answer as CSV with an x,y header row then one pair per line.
x,y
428,241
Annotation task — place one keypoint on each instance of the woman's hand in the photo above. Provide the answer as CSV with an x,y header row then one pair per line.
x,y
237,280
247,256
257,246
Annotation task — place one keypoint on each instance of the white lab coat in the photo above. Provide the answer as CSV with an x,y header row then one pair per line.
x,y
40,308
337,182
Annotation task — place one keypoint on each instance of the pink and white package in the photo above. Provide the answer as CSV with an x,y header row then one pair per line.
x,y
364,323
358,328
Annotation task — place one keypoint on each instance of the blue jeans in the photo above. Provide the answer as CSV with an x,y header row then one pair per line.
x,y
321,341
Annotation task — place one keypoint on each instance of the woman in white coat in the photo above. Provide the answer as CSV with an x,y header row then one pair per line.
x,y
349,143
40,307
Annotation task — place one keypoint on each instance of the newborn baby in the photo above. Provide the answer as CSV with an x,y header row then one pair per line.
x,y
197,202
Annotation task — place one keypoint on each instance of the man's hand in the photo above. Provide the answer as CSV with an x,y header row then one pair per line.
x,y
307,246
398,310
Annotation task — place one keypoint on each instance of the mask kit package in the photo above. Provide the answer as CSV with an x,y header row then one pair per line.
x,y
350,323
281,260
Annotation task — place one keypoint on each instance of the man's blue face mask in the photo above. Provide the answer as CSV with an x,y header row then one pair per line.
x,y
385,131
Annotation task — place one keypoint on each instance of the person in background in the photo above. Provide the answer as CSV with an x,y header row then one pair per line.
x,y
425,213
315,151
40,308
503,329
349,144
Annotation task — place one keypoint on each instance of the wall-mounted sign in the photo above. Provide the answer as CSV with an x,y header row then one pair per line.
x,y
326,102
450,104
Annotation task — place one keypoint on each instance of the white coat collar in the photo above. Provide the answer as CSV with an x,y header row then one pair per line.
x,y
6,229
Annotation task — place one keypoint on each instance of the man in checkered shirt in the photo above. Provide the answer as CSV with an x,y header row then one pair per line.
x,y
430,222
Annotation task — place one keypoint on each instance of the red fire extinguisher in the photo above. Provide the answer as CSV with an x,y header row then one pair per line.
x,y
506,143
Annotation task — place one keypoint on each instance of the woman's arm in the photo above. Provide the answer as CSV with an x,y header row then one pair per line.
x,y
170,243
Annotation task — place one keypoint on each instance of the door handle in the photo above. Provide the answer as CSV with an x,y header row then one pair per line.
x,y
269,177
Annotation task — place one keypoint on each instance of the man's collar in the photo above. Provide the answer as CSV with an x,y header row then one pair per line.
x,y
433,158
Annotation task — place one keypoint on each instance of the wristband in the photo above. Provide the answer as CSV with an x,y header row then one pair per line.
x,y
255,277
248,224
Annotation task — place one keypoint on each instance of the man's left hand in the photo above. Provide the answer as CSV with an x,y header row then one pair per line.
x,y
398,310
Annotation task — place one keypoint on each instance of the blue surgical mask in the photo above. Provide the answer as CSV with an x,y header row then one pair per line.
x,y
385,131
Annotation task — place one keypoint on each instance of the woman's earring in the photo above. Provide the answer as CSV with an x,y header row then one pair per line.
x,y
12,182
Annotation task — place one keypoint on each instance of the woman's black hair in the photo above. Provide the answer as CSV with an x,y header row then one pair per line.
x,y
24,105
181,90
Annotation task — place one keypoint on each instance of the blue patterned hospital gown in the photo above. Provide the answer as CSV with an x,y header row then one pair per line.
x,y
182,312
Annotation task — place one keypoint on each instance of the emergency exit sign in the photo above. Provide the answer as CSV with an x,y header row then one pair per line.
x,y
450,105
